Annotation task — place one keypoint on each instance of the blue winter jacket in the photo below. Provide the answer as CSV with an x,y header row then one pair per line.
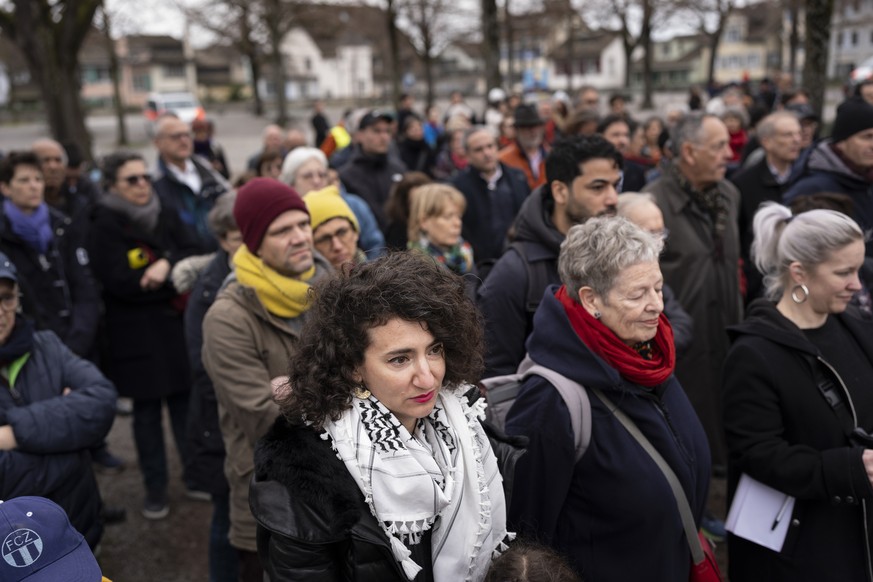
x,y
613,513
54,432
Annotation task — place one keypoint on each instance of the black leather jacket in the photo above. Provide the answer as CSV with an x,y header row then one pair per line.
x,y
313,522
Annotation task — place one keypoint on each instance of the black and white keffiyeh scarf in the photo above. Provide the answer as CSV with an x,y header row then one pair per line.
x,y
445,469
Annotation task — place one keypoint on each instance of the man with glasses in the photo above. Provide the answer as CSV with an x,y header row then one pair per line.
x,y
701,258
185,182
767,180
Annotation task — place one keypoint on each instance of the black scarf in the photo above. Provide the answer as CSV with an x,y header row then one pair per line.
x,y
19,342
714,204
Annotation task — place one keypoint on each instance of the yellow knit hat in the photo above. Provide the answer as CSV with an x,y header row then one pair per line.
x,y
327,203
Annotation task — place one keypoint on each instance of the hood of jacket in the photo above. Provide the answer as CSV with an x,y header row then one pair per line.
x,y
764,320
534,223
823,158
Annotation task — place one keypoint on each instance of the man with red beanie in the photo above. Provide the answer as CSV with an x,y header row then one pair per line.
x,y
249,335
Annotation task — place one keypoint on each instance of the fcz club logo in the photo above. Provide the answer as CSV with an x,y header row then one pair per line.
x,y
21,548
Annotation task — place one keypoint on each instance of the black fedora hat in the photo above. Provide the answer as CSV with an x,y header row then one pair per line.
x,y
527,116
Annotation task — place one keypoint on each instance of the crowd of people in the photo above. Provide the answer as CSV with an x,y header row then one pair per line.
x,y
676,298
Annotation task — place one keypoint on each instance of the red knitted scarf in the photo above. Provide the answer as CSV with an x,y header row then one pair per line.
x,y
627,361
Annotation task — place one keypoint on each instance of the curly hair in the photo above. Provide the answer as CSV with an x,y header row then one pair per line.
x,y
400,285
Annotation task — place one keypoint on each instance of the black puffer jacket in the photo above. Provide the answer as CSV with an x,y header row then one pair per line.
x,y
313,522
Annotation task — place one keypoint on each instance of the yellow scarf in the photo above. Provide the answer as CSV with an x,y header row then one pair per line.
x,y
282,296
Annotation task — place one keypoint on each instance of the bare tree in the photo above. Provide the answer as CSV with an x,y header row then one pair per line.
x,y
235,21
635,21
818,33
50,33
434,25
114,75
793,37
394,47
712,16
491,43
277,17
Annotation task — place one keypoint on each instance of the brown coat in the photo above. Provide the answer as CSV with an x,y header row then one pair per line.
x,y
244,348
513,156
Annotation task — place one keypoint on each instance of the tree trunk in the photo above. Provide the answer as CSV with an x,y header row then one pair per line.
x,y
510,59
255,68
794,39
818,32
646,42
491,44
51,49
250,51
428,72
115,75
713,54
394,44
628,60
571,54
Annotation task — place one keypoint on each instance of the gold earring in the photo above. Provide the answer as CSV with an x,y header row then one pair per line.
x,y
361,392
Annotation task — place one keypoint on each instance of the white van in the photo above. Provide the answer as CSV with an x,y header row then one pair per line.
x,y
184,105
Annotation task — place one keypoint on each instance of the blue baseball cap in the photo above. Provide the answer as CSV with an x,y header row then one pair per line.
x,y
7,269
38,544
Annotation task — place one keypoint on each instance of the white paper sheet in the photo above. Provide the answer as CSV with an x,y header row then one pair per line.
x,y
755,510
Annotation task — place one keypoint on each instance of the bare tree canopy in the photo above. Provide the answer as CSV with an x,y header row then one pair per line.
x,y
235,22
50,34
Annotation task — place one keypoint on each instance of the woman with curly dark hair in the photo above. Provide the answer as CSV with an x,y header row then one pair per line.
x,y
378,468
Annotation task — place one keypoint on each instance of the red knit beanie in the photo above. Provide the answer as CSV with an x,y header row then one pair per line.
x,y
258,203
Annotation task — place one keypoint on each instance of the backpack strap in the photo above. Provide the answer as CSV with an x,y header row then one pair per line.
x,y
537,278
682,504
575,397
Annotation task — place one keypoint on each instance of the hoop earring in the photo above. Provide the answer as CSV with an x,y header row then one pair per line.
x,y
803,288
597,315
361,392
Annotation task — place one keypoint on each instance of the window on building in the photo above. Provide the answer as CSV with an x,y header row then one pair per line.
x,y
174,71
840,38
665,49
854,38
307,62
142,82
753,61
94,74
734,34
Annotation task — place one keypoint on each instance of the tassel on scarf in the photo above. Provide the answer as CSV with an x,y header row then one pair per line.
x,y
402,555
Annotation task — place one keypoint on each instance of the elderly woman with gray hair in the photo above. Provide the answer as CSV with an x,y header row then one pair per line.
x,y
798,409
305,169
604,329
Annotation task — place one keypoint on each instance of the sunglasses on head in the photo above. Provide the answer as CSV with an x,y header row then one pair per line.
x,y
135,179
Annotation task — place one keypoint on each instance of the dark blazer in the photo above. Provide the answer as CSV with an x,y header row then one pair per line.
x,y
147,357
782,432
54,432
490,213
313,522
58,291
191,207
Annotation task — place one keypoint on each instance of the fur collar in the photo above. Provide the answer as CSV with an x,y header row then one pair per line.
x,y
301,489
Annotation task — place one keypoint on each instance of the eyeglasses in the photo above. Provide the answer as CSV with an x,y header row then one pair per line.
x,y
312,175
9,302
136,178
342,234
